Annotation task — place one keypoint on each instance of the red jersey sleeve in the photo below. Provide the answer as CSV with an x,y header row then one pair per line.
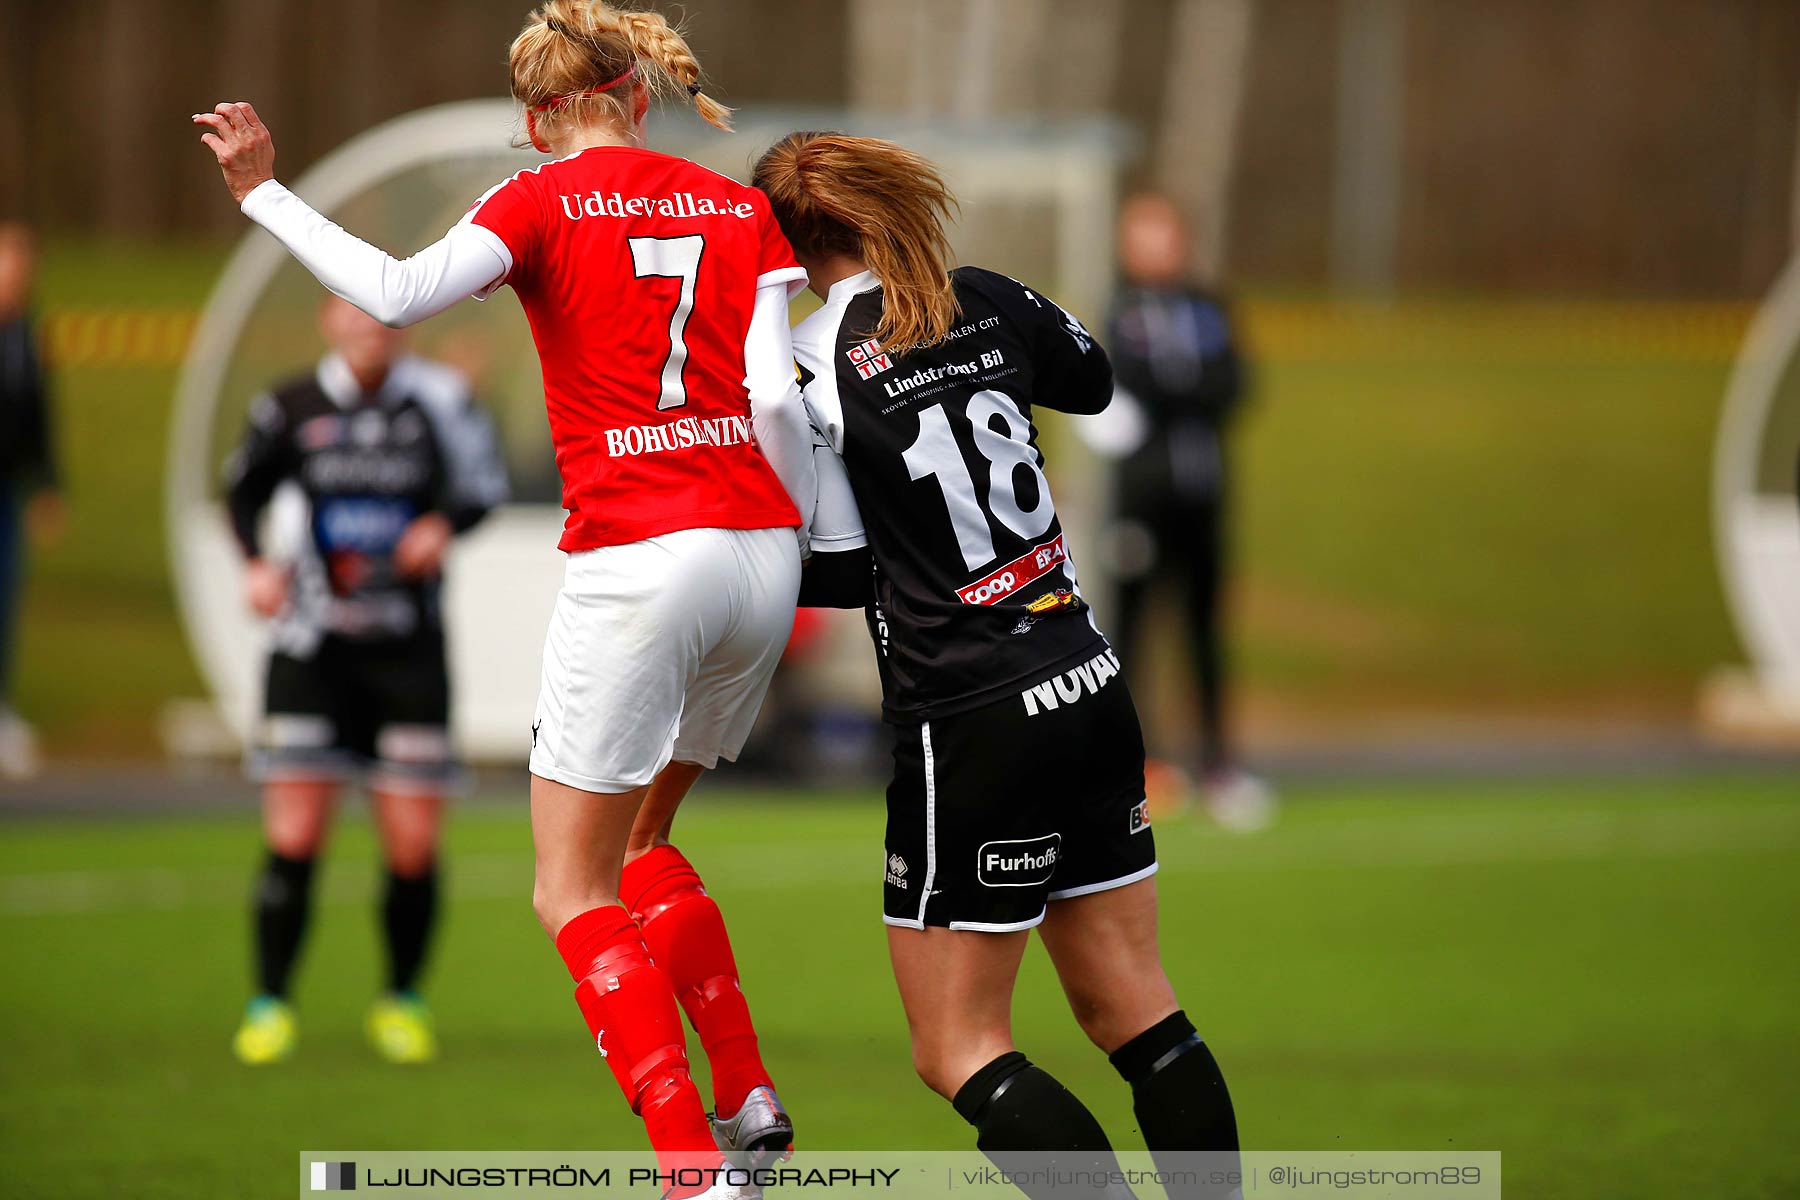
x,y
511,212
775,259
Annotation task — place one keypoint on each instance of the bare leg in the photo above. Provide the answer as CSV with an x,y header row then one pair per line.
x,y
408,824
297,816
656,818
1105,952
956,987
1104,948
579,839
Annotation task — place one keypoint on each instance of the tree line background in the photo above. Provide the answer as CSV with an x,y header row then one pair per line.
x,y
1590,146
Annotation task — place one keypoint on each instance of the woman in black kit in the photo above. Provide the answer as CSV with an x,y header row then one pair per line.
x,y
1018,795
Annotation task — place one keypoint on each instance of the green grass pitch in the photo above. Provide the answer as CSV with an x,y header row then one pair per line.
x,y
1595,978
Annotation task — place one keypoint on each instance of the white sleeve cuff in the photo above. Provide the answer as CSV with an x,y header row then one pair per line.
x,y
268,192
497,244
794,277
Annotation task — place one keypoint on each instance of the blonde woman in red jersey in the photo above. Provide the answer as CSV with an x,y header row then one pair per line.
x,y
657,294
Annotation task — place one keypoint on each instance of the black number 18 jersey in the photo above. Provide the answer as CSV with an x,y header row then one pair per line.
x,y
973,591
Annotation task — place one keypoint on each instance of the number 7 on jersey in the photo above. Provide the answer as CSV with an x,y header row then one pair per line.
x,y
671,258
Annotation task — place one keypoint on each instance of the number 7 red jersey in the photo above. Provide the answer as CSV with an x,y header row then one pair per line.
x,y
638,272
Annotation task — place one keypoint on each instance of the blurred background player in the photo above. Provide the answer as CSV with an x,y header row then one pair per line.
x,y
30,505
1179,381
657,293
374,461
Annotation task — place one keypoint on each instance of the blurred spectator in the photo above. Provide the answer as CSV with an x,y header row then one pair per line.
x,y
1179,381
30,505
373,462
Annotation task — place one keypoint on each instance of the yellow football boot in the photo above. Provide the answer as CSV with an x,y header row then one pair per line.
x,y
400,1029
268,1034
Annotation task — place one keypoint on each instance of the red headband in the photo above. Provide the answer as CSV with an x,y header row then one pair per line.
x,y
556,103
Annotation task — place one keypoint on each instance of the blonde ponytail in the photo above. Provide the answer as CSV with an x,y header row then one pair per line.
x,y
654,40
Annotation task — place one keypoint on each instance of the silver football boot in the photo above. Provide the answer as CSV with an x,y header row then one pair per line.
x,y
759,1132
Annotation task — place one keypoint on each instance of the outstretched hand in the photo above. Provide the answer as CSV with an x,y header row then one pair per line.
x,y
241,143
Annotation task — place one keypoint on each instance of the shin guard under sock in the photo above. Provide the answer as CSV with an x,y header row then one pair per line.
x,y
686,936
1180,1099
283,901
1025,1120
408,912
631,1013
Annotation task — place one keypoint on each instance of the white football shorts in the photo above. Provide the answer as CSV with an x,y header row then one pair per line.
x,y
662,650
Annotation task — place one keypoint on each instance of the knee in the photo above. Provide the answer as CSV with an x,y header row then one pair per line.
x,y
935,1070
1110,1019
295,836
543,905
945,1064
556,906
296,843
412,856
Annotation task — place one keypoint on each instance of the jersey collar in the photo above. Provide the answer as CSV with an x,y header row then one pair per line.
x,y
852,285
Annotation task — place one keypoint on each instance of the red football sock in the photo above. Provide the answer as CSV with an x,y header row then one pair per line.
x,y
631,1012
686,936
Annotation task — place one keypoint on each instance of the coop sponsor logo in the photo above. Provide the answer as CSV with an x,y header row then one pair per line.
x,y
684,434
1035,563
1071,686
1024,862
678,204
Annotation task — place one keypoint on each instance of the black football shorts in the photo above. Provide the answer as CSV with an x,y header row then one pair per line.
x,y
997,811
379,710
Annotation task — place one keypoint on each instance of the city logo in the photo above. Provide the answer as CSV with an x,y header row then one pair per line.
x,y
1140,816
869,359
896,870
334,1177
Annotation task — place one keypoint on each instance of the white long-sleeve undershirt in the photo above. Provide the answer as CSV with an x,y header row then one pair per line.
x,y
469,261
395,291
777,409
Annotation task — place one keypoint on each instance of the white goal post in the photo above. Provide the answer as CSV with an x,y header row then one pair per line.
x,y
1756,524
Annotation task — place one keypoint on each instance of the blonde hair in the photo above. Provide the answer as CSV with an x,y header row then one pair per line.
x,y
570,48
878,202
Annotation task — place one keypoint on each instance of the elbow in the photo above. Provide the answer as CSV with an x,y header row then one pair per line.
x,y
394,316
782,406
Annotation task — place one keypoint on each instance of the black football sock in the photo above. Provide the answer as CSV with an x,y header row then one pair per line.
x,y
283,900
408,912
1181,1102
1027,1122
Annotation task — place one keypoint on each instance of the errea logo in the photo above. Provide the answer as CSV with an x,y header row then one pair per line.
x,y
896,871
869,359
